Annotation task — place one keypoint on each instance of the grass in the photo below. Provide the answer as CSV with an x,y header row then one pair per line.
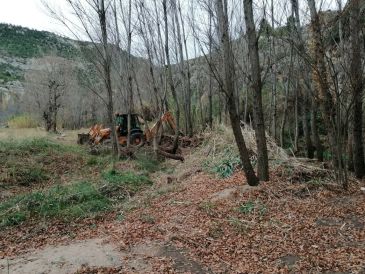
x,y
78,184
147,162
127,181
252,207
24,175
32,161
35,146
77,200
224,162
208,207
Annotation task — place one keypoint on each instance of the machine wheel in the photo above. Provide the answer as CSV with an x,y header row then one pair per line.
x,y
137,139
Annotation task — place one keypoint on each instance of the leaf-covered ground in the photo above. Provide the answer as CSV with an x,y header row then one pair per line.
x,y
218,226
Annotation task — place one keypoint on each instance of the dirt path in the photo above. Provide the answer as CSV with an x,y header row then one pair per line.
x,y
84,256
64,259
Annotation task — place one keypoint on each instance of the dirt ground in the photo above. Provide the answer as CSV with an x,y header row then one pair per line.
x,y
64,259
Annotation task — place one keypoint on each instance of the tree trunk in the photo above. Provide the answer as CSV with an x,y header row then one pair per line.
x,y
350,148
129,74
107,75
296,116
305,88
170,79
273,75
317,141
228,85
256,86
283,120
187,75
320,78
210,94
147,43
306,127
357,88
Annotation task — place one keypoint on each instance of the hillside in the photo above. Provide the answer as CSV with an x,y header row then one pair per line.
x,y
18,45
20,50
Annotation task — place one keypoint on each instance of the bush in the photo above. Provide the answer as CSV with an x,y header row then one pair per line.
x,y
22,121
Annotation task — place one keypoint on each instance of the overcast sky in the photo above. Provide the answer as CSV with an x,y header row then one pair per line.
x,y
28,13
32,14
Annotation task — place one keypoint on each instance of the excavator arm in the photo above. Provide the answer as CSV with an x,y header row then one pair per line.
x,y
168,118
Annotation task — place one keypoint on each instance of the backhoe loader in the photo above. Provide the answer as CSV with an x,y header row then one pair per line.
x,y
98,134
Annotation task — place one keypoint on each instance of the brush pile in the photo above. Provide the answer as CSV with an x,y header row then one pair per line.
x,y
219,151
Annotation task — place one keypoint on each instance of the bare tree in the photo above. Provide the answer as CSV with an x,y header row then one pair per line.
x,y
169,77
356,74
256,86
228,88
47,84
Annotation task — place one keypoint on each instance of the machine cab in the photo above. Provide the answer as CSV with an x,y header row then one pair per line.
x,y
122,124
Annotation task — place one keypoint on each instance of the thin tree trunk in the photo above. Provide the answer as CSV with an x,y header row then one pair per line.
x,y
273,75
129,74
283,120
180,58
256,86
170,79
350,148
147,43
229,89
187,75
321,80
357,88
296,116
107,75
304,88
315,135
306,127
210,94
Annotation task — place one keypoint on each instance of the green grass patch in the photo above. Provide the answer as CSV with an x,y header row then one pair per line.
x,y
127,178
21,174
146,161
29,161
252,207
73,201
119,185
35,146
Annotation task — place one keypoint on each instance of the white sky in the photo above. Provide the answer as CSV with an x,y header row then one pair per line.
x,y
29,13
32,14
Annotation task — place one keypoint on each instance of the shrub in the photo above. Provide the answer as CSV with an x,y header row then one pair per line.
x,y
22,121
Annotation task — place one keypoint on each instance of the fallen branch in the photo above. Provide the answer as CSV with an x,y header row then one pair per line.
x,y
170,155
